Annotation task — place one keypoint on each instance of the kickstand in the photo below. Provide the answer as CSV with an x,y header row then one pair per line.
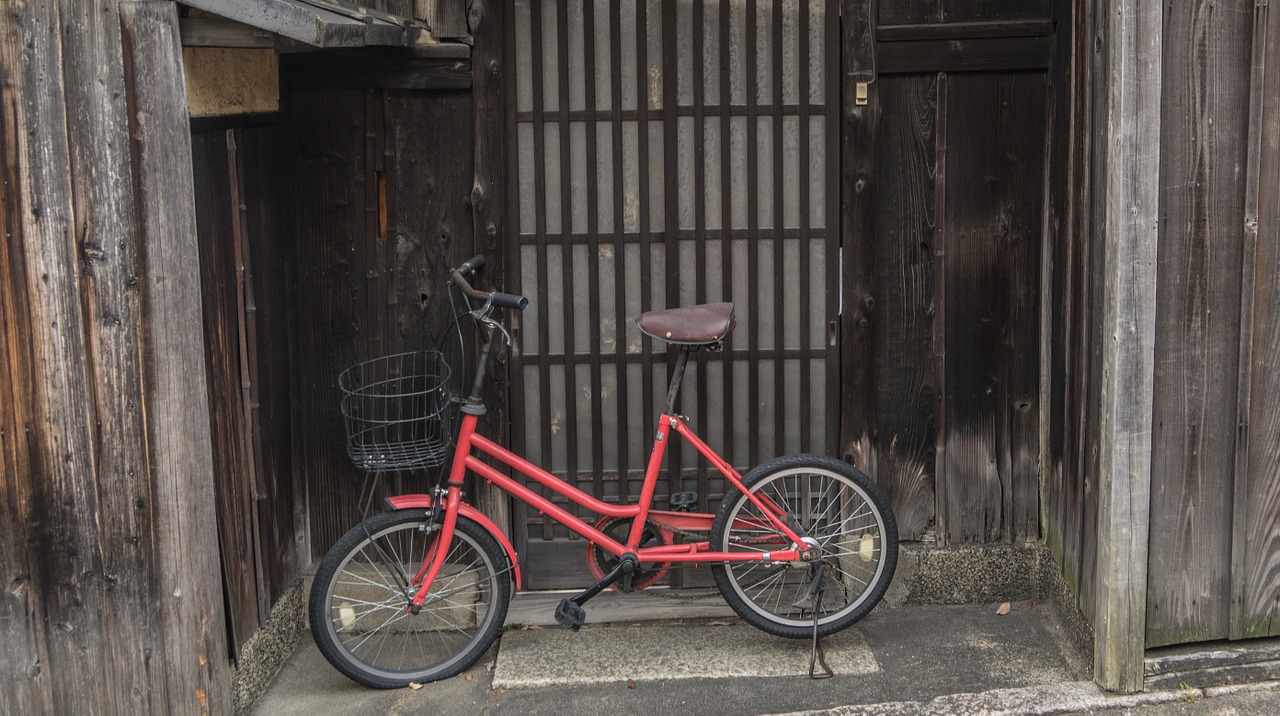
x,y
818,655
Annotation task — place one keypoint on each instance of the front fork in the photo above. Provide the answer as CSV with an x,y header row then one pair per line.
x,y
431,565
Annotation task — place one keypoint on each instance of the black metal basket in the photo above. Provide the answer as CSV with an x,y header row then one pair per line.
x,y
396,411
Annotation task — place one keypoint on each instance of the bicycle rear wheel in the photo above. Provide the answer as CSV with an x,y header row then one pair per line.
x,y
836,505
359,603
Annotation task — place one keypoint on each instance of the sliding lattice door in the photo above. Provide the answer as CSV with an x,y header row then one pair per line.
x,y
670,152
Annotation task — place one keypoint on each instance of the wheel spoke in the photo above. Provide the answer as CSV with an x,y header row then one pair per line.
x,y
372,635
833,508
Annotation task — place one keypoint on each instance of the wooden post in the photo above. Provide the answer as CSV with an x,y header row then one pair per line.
x,y
859,120
488,206
1130,37
175,397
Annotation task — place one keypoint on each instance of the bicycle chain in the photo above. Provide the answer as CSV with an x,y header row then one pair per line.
x,y
699,536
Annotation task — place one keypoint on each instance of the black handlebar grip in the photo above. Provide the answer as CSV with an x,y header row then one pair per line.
x,y
508,300
472,264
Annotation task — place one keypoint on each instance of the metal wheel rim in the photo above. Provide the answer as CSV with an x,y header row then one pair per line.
x,y
395,601
750,581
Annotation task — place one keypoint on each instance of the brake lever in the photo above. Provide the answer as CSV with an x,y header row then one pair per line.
x,y
494,324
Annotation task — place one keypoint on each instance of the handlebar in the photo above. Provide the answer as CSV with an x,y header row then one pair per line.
x,y
495,298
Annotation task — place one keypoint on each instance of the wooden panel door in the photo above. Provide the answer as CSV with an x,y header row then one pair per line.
x,y
945,270
667,153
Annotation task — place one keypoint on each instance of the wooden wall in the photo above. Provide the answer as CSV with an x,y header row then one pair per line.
x,y
1071,332
1216,463
381,179
111,601
246,262
1214,474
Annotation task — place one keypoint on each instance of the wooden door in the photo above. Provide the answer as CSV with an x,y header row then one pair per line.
x,y
942,331
670,152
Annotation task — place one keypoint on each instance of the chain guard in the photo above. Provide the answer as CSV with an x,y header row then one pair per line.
x,y
619,528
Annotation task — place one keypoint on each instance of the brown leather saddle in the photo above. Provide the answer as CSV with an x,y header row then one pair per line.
x,y
702,325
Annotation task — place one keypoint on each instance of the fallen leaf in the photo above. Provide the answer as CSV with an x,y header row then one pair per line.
x,y
631,684
414,685
1004,609
718,623
468,677
1031,603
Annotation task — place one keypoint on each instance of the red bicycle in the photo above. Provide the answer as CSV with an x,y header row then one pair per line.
x,y
803,546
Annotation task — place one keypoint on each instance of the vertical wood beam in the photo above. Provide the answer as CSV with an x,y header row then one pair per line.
x,y
1254,612
188,590
1130,37
858,230
489,207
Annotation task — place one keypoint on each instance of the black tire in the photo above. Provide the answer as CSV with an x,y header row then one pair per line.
x,y
384,646
838,506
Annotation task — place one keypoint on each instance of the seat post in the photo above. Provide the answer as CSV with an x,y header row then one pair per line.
x,y
674,389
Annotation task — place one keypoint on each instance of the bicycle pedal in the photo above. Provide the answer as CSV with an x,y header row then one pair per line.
x,y
684,501
570,615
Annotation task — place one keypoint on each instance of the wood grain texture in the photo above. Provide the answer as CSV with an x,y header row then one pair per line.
x,y
1258,579
360,295
858,192
179,456
1203,136
21,622
489,212
56,497
1069,325
214,213
267,196
906,389
992,216
964,55
902,12
380,70
1131,43
328,230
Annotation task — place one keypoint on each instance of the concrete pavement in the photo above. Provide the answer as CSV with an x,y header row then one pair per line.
x,y
905,658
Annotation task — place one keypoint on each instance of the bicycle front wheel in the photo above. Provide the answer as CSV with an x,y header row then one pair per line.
x,y
837,506
359,607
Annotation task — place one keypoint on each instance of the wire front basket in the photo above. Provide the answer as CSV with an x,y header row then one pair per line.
x,y
395,409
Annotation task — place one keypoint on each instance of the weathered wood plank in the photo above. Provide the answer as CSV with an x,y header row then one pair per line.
x,y
214,212
220,32
320,23
179,466
964,30
26,654
1203,134
906,394
896,12
1062,329
376,70
964,55
488,20
115,325
1131,43
267,196
59,126
992,223
858,193
1258,583
449,18
328,228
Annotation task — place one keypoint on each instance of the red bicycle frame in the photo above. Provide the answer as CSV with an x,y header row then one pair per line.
x,y
465,458
470,442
